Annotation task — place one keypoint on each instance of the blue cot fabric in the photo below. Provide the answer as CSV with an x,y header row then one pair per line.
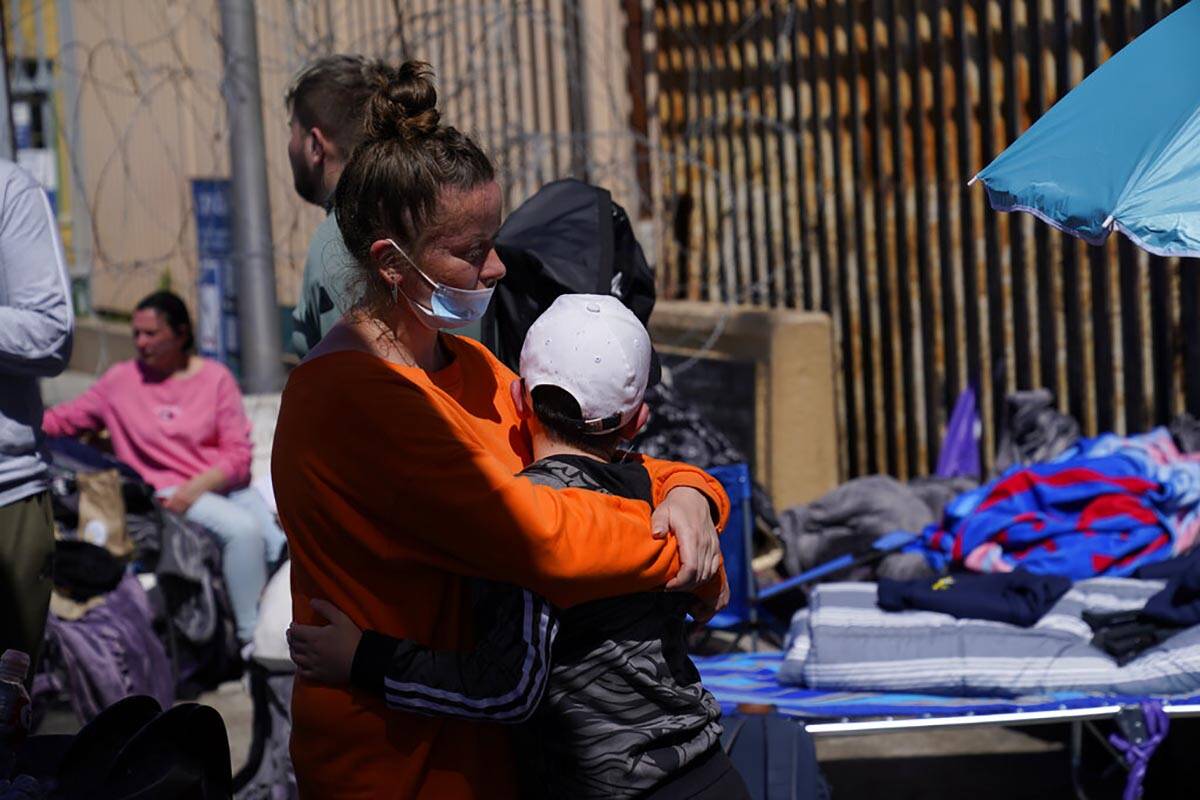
x,y
1119,151
752,678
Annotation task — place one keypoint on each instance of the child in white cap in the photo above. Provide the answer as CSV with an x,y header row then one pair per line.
x,y
617,710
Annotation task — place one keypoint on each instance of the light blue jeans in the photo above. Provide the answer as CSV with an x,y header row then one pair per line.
x,y
250,539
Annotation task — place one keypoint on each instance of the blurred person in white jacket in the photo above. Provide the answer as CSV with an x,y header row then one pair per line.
x,y
36,322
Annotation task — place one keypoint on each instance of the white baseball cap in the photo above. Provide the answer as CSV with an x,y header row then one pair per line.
x,y
594,348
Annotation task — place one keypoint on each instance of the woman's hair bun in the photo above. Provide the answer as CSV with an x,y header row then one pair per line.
x,y
404,104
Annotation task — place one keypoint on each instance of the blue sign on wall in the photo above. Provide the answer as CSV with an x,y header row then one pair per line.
x,y
217,322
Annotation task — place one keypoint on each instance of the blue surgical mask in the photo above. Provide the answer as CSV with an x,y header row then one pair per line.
x,y
448,306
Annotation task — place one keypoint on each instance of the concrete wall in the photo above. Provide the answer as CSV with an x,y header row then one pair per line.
x,y
796,436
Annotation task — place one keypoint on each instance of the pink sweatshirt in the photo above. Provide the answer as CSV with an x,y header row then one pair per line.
x,y
169,431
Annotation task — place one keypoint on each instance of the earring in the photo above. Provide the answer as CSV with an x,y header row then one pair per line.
x,y
395,293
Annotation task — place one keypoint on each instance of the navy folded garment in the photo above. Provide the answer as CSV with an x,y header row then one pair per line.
x,y
1018,597
1125,635
1170,568
1179,603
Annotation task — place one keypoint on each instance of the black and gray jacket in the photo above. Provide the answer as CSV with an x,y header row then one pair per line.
x,y
618,710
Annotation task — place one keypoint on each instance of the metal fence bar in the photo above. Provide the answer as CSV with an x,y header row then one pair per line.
x,y
839,283
1047,330
719,125
901,240
760,169
889,459
823,296
924,283
1160,315
1012,127
792,233
773,166
1070,266
967,197
946,179
867,262
993,355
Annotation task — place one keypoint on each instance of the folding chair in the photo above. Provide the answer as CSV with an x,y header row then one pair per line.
x,y
742,615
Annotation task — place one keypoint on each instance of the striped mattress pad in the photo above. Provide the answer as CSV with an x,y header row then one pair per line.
x,y
844,642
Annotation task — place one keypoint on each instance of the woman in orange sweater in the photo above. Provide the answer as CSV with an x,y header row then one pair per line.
x,y
394,461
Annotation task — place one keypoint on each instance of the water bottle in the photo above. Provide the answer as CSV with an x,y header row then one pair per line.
x,y
15,711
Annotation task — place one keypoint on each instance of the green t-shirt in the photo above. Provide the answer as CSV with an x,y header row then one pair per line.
x,y
323,297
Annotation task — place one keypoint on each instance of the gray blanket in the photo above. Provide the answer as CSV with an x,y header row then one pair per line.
x,y
844,642
851,517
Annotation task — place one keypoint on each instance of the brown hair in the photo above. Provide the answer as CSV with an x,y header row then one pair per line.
x,y
391,187
331,93
558,412
174,311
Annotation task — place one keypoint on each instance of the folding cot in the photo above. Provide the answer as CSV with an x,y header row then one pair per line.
x,y
752,678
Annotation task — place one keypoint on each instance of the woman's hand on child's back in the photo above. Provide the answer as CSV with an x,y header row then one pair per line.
x,y
325,653
686,513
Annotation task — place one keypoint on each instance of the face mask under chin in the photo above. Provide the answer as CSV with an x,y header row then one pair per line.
x,y
447,307
430,320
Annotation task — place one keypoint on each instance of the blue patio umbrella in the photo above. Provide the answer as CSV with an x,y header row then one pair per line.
x,y
1121,151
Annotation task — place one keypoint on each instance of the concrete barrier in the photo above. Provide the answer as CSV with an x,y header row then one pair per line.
x,y
796,455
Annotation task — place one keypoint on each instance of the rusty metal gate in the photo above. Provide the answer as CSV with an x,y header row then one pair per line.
x,y
816,155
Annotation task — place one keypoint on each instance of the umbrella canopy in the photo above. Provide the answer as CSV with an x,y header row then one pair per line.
x,y
1121,150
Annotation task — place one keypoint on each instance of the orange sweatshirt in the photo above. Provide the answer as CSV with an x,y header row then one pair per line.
x,y
392,484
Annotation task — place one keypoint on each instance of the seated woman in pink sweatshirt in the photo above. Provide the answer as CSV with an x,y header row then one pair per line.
x,y
177,418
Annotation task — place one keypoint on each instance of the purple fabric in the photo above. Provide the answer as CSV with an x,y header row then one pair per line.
x,y
960,449
1137,754
108,654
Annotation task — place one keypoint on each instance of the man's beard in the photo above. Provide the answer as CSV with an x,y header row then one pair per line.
x,y
307,184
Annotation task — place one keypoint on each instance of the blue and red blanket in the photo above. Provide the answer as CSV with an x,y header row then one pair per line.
x,y
1106,510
